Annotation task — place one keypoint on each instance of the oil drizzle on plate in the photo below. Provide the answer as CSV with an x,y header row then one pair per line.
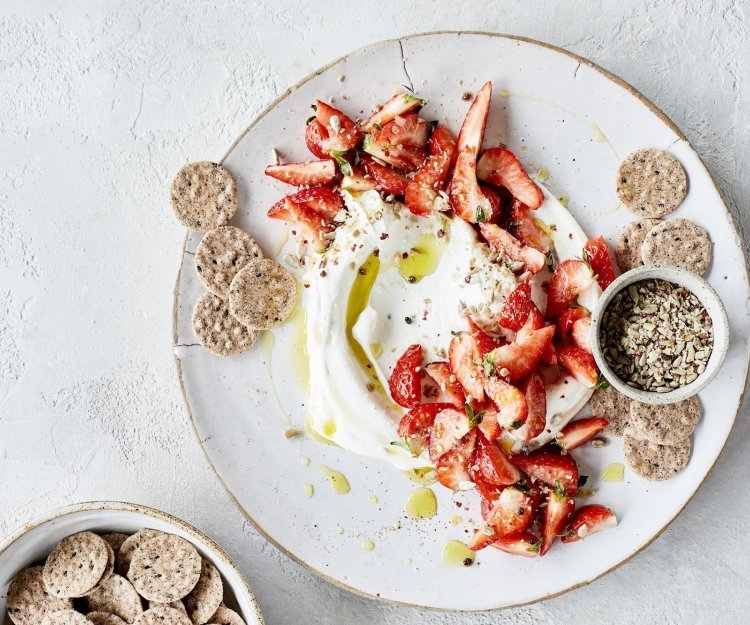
x,y
338,480
614,472
456,553
421,504
368,545
267,342
422,259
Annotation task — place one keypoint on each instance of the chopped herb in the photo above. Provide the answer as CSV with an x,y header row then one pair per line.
x,y
309,119
515,425
488,365
480,215
344,165
534,546
559,490
475,418
403,445
314,107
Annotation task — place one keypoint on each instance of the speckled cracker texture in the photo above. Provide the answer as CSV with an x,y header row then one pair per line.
x,y
163,615
225,616
263,295
75,565
630,242
665,424
165,568
206,597
102,618
678,242
128,547
65,617
220,256
28,599
115,540
116,596
204,196
651,183
653,461
217,330
614,406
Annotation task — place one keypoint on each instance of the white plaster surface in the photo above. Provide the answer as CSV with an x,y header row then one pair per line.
x,y
101,102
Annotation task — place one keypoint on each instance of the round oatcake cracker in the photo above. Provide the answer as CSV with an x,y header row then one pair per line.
x,y
108,570
102,618
163,615
206,597
177,605
651,183
263,294
610,403
628,249
165,568
28,599
65,617
225,616
204,196
221,254
130,544
679,242
75,565
116,596
115,540
666,424
217,330
653,461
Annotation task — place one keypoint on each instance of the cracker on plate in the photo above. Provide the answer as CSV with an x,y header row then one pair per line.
x,y
130,544
651,183
165,568
653,461
678,242
217,330
115,540
116,596
65,617
206,597
204,196
225,616
163,615
28,599
75,565
630,242
610,403
665,424
109,569
221,254
263,295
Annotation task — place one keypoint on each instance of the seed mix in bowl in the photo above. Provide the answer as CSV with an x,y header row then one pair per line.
x,y
656,336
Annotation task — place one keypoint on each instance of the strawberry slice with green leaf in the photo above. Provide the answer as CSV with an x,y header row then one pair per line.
x,y
550,466
536,404
511,513
502,241
570,278
342,132
556,516
500,167
520,358
409,130
404,157
400,104
423,192
357,182
578,432
404,383
589,520
451,469
512,410
491,462
315,134
310,225
449,427
579,364
527,230
516,307
466,364
386,179
524,544
447,382
415,425
310,173
596,253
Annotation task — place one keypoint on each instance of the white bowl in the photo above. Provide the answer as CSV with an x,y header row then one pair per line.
x,y
707,296
31,543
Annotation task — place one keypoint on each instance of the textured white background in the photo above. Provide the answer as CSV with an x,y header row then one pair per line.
x,y
101,102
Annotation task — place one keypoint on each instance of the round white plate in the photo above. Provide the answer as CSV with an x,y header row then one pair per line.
x,y
555,111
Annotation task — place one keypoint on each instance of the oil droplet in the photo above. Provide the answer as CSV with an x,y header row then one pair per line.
x,y
304,461
598,134
504,94
422,475
315,435
359,298
507,444
373,499
298,358
309,490
456,553
338,480
267,342
339,529
563,199
368,545
421,504
377,349
329,428
457,519
542,175
614,472
422,259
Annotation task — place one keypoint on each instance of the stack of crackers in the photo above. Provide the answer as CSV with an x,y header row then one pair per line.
x,y
147,578
247,292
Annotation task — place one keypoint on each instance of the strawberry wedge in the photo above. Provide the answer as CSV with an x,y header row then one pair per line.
x,y
423,192
580,364
400,104
579,432
342,133
512,410
597,255
511,513
556,516
550,467
493,465
536,405
524,544
404,382
307,174
315,134
500,167
409,130
386,179
451,469
464,358
502,241
520,358
449,428
527,230
570,278
516,307
589,520
416,424
405,157
447,382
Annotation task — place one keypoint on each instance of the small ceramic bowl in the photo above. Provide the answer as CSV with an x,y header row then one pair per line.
x,y
707,296
32,542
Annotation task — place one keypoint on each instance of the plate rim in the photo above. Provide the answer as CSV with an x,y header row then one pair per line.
x,y
278,100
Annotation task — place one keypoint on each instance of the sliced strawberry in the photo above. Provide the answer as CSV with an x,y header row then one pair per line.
x,y
416,424
313,227
576,433
444,377
451,468
516,307
467,199
550,466
489,425
280,211
570,278
502,241
582,333
405,130
404,383
400,104
481,538
472,130
580,364
465,359
343,133
511,513
524,544
496,202
527,230
511,403
493,465
500,167
566,320
315,134
521,358
404,157
556,516
357,181
536,403
449,428
386,179
304,174
424,189
597,255
534,321
485,342
589,520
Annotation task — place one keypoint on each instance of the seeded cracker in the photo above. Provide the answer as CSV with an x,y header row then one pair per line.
x,y
177,605
220,256
108,570
217,330
28,599
102,618
128,547
162,615
115,540
628,249
614,406
651,183
263,295
667,424
679,242
116,596
75,565
205,598
653,461
65,617
204,196
225,616
165,568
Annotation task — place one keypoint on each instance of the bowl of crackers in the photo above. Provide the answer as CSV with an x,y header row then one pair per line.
x,y
659,334
112,563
